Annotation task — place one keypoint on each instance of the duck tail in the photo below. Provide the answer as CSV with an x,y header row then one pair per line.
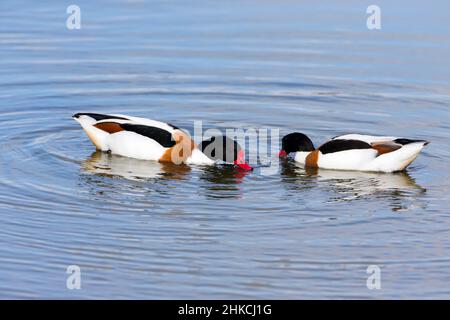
x,y
97,136
399,159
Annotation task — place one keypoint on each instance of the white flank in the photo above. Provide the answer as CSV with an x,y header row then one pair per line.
x,y
355,159
133,145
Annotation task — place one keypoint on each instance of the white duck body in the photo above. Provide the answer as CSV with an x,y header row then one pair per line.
x,y
381,153
139,138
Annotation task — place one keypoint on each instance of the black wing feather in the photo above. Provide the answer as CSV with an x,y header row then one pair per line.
x,y
161,136
342,145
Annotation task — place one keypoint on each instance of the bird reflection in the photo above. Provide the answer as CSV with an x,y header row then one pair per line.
x,y
108,165
396,188
222,181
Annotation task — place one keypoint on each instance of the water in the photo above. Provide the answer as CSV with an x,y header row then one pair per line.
x,y
147,230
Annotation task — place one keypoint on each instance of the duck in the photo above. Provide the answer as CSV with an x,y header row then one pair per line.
x,y
353,152
147,139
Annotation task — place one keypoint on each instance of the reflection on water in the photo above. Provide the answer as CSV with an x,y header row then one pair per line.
x,y
222,181
109,165
396,188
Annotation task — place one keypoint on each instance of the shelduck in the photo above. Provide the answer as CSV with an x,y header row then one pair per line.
x,y
354,152
147,139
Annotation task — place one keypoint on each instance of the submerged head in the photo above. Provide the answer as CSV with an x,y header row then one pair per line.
x,y
224,149
295,142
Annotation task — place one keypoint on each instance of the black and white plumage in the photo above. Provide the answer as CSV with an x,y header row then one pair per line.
x,y
146,139
354,152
